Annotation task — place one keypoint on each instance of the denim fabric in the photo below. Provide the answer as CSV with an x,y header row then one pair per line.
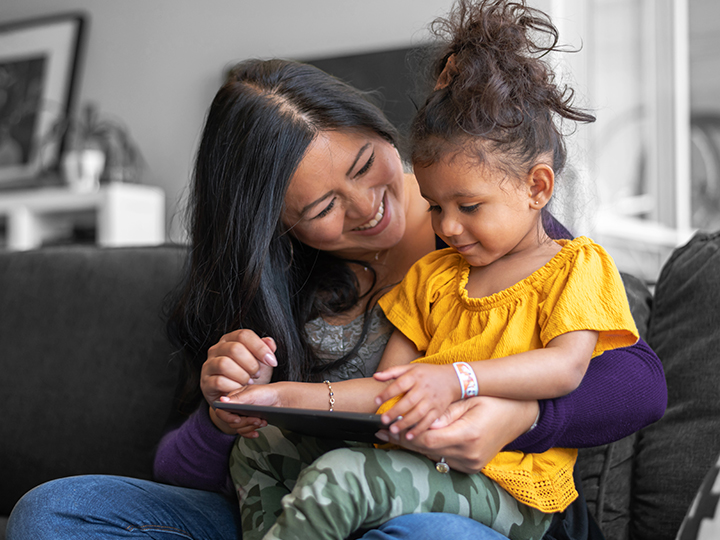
x,y
94,507
432,527
106,507
674,454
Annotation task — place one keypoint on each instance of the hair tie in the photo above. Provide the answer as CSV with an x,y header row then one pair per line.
x,y
447,74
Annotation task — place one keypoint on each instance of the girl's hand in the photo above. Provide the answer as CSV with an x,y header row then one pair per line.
x,y
472,431
240,358
267,394
428,392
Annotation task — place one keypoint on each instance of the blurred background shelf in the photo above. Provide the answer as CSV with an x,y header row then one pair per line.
x,y
116,214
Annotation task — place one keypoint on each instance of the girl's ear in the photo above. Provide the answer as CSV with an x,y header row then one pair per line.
x,y
540,184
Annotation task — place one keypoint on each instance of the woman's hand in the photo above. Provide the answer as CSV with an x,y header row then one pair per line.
x,y
427,392
472,431
239,359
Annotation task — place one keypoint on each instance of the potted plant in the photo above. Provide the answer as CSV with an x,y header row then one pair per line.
x,y
97,149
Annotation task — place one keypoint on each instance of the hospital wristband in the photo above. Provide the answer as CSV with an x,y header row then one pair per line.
x,y
468,379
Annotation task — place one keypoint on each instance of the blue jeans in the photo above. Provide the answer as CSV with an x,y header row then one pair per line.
x,y
92,507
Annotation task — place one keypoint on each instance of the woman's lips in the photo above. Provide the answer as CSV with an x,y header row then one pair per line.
x,y
379,221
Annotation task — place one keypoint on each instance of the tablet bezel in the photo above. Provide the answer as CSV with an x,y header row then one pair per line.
x,y
338,425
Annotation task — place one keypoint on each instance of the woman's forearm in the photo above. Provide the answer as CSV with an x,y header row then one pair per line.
x,y
623,390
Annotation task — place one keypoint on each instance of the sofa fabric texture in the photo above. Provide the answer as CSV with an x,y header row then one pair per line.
x,y
87,380
674,454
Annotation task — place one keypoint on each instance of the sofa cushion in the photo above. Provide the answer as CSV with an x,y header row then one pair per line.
x,y
87,382
702,521
674,454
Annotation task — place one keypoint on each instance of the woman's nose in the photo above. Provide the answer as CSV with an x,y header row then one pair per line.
x,y
362,204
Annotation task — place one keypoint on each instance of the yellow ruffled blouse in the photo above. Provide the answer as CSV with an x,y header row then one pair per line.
x,y
578,289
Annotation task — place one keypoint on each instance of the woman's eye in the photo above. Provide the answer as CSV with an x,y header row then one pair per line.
x,y
365,168
327,209
469,209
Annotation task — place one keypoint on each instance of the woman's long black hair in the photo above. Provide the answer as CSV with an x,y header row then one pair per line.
x,y
244,270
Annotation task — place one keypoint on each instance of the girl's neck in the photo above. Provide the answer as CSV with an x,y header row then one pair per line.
x,y
507,271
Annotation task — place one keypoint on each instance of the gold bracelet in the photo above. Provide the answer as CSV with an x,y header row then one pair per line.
x,y
331,397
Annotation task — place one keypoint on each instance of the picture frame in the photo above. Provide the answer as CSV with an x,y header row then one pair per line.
x,y
38,71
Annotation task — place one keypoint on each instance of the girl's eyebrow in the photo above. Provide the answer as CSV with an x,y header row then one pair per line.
x,y
316,201
456,195
357,158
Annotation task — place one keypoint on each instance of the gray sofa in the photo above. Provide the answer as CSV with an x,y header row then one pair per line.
x,y
89,384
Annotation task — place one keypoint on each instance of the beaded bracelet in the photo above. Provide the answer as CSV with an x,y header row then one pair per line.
x,y
468,379
331,397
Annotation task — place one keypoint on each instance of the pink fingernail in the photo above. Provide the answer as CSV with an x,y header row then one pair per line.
x,y
270,360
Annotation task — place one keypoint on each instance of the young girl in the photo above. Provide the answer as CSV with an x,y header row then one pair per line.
x,y
504,311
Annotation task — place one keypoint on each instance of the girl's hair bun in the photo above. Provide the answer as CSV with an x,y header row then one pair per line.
x,y
493,80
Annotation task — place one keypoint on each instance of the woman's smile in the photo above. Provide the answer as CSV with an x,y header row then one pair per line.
x,y
347,195
377,223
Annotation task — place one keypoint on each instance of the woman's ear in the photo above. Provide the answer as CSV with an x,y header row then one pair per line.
x,y
540,184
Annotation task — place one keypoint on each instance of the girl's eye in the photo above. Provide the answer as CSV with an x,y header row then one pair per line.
x,y
469,209
434,208
365,168
327,209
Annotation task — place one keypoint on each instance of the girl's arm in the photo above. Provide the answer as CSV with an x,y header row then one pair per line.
x,y
355,395
623,391
428,390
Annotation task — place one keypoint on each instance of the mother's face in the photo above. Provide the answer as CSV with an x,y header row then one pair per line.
x,y
347,196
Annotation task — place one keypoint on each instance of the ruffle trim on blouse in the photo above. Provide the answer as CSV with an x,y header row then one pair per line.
x,y
569,252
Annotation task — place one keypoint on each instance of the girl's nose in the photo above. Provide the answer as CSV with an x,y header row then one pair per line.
x,y
449,226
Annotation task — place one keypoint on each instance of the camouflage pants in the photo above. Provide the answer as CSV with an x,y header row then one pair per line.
x,y
296,487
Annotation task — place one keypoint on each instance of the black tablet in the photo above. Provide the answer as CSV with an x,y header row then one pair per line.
x,y
346,426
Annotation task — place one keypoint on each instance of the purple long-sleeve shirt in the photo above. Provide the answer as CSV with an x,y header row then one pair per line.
x,y
622,391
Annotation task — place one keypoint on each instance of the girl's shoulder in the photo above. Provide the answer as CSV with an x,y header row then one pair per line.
x,y
581,260
583,251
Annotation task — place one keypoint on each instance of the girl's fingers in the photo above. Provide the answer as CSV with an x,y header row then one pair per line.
x,y
400,386
392,373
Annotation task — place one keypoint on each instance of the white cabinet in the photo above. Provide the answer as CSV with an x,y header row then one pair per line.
x,y
122,215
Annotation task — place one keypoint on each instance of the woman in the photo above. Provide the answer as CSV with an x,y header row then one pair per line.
x,y
301,216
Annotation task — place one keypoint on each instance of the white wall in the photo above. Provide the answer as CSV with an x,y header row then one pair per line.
x,y
156,64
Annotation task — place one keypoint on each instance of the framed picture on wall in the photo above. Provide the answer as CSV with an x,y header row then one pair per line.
x,y
38,67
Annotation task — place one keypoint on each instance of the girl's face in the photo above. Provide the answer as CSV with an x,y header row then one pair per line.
x,y
477,210
347,196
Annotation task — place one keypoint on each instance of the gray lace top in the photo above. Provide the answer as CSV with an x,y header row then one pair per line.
x,y
331,342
